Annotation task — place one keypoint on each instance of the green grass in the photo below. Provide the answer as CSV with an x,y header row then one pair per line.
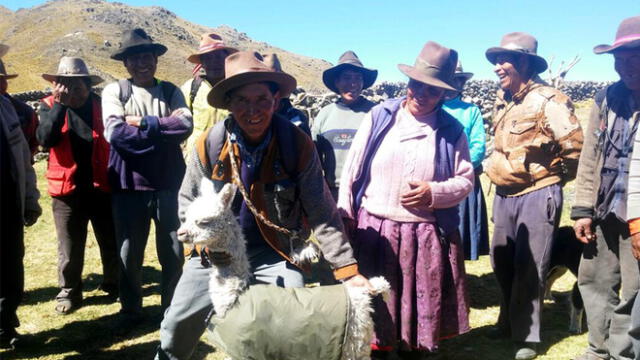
x,y
84,334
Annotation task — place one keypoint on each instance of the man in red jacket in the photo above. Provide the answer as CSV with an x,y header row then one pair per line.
x,y
71,126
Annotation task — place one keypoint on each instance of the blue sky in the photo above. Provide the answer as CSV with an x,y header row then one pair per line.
x,y
385,33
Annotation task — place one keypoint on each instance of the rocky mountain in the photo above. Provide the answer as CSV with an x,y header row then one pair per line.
x,y
92,29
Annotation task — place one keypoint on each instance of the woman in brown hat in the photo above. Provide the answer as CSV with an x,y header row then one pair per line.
x,y
336,124
407,170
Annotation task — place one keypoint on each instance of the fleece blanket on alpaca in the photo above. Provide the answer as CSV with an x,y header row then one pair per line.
x,y
284,324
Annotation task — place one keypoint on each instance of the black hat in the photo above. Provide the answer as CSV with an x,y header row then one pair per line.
x,y
349,60
137,40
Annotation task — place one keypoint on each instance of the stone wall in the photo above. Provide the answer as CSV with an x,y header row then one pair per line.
x,y
479,92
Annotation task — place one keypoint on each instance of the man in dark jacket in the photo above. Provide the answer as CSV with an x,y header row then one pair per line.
x,y
71,127
600,210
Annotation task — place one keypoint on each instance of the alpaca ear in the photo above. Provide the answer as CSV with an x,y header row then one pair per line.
x,y
206,187
227,194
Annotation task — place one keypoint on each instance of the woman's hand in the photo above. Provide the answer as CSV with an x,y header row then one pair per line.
x,y
418,196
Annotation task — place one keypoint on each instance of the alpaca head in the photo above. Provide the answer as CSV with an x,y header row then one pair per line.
x,y
209,218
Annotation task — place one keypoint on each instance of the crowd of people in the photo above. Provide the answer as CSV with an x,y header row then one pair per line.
x,y
390,189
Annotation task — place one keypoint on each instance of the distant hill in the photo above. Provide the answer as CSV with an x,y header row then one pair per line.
x,y
92,29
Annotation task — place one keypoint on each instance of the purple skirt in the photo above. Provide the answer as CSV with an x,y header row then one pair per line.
x,y
428,299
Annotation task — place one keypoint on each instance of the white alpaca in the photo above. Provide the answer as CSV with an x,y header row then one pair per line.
x,y
210,222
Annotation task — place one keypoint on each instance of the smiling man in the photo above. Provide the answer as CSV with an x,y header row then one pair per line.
x,y
278,167
537,144
336,124
145,121
600,209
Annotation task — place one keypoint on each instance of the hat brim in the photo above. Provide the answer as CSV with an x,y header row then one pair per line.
x,y
604,49
195,57
8,76
217,96
122,53
3,50
417,75
329,76
539,63
95,79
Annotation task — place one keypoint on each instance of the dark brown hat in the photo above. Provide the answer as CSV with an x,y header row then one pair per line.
x,y
3,72
135,41
72,67
209,42
519,43
434,66
349,60
246,67
627,36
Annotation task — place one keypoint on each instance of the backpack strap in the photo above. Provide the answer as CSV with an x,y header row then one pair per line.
x,y
126,88
287,138
210,146
168,89
195,86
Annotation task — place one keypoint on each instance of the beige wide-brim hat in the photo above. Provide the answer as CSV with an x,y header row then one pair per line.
x,y
627,37
434,66
519,43
242,68
210,42
72,67
3,72
348,61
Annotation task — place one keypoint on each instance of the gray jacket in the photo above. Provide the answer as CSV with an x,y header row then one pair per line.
x,y
601,121
20,158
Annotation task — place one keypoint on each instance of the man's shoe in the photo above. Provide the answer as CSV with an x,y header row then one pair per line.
x,y
526,351
112,290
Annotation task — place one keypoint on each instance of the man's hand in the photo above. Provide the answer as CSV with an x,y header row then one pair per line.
x,y
635,245
584,230
418,196
60,93
177,112
359,281
133,120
